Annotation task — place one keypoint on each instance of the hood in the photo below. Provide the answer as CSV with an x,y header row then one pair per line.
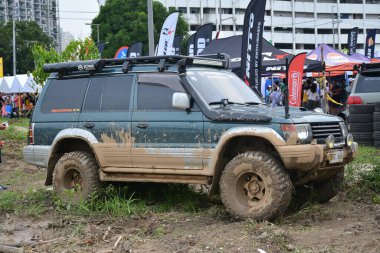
x,y
266,114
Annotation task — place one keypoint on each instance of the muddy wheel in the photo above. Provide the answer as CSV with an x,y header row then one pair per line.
x,y
255,185
324,191
320,192
75,176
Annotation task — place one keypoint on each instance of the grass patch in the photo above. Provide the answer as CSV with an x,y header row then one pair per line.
x,y
362,176
30,203
17,130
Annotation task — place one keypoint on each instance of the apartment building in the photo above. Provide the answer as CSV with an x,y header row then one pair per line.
x,y
44,12
292,25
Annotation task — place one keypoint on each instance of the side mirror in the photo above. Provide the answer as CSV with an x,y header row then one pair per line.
x,y
181,100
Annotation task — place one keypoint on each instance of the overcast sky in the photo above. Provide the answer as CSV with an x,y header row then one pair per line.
x,y
75,13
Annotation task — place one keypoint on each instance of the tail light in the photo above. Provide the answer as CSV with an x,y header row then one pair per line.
x,y
354,100
31,134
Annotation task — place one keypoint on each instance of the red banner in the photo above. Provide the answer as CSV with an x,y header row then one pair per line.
x,y
295,74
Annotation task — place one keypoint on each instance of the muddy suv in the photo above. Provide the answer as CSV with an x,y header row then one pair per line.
x,y
177,119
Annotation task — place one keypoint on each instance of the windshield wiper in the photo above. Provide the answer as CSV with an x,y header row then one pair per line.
x,y
224,102
254,103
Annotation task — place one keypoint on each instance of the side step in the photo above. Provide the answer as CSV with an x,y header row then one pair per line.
x,y
153,178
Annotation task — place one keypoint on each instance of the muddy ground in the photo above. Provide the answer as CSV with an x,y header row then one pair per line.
x,y
341,225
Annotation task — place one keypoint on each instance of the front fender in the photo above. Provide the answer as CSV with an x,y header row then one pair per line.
x,y
262,132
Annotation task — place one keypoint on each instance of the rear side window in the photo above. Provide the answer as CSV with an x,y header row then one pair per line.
x,y
368,82
64,95
109,94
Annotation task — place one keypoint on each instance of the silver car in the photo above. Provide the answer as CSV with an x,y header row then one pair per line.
x,y
366,88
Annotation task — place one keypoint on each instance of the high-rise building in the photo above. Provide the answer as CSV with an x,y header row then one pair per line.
x,y
44,12
66,38
292,25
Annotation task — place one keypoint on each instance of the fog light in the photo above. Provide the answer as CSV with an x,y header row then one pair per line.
x,y
349,140
330,141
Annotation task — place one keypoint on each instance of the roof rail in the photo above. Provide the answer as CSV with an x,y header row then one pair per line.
x,y
92,66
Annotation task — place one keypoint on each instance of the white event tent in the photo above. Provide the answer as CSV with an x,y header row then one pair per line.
x,y
18,84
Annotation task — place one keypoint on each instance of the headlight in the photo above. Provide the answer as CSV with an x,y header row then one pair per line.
x,y
349,140
300,132
330,141
343,127
303,131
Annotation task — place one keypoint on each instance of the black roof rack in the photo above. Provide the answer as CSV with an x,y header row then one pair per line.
x,y
93,66
367,67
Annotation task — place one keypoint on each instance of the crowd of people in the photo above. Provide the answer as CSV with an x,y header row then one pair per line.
x,y
17,105
332,98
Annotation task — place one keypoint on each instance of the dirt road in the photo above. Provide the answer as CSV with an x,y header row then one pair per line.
x,y
338,226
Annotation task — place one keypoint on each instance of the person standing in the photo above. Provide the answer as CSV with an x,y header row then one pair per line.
x,y
276,97
3,126
312,97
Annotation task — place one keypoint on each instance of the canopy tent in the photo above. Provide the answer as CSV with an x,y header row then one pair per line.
x,y
18,84
273,59
335,60
4,86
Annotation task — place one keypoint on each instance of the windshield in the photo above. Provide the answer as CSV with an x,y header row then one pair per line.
x,y
368,82
214,86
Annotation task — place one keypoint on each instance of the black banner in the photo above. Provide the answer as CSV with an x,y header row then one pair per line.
x,y
190,45
352,40
135,50
177,44
370,43
252,43
203,37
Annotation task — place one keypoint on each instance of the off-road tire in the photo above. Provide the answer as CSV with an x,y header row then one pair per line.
x,y
320,192
84,168
376,126
360,118
243,170
377,107
326,190
364,138
361,109
360,127
376,117
376,135
376,144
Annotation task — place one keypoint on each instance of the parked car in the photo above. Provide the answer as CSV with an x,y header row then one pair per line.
x,y
176,119
366,88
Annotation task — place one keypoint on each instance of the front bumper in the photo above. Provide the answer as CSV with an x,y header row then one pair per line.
x,y
310,157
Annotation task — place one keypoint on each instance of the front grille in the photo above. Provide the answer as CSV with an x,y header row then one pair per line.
x,y
322,130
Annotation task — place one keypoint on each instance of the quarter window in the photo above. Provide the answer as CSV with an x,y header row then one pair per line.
x,y
64,95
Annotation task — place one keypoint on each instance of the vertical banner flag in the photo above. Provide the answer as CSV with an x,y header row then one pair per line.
x,y
167,34
370,43
190,45
252,43
135,50
295,74
352,40
203,37
1,67
177,44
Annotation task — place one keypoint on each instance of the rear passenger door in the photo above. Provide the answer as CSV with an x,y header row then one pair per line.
x,y
106,114
164,137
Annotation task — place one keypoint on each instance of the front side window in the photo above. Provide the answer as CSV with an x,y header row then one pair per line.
x,y
64,95
155,91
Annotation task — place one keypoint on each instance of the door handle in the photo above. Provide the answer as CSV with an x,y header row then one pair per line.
x,y
142,125
89,125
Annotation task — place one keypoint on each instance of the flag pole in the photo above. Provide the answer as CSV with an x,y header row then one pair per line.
x,y
287,90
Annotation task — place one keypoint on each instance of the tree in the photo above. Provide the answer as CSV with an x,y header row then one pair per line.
x,y
77,50
123,22
28,33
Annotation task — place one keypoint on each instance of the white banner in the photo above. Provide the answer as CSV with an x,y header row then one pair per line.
x,y
167,35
